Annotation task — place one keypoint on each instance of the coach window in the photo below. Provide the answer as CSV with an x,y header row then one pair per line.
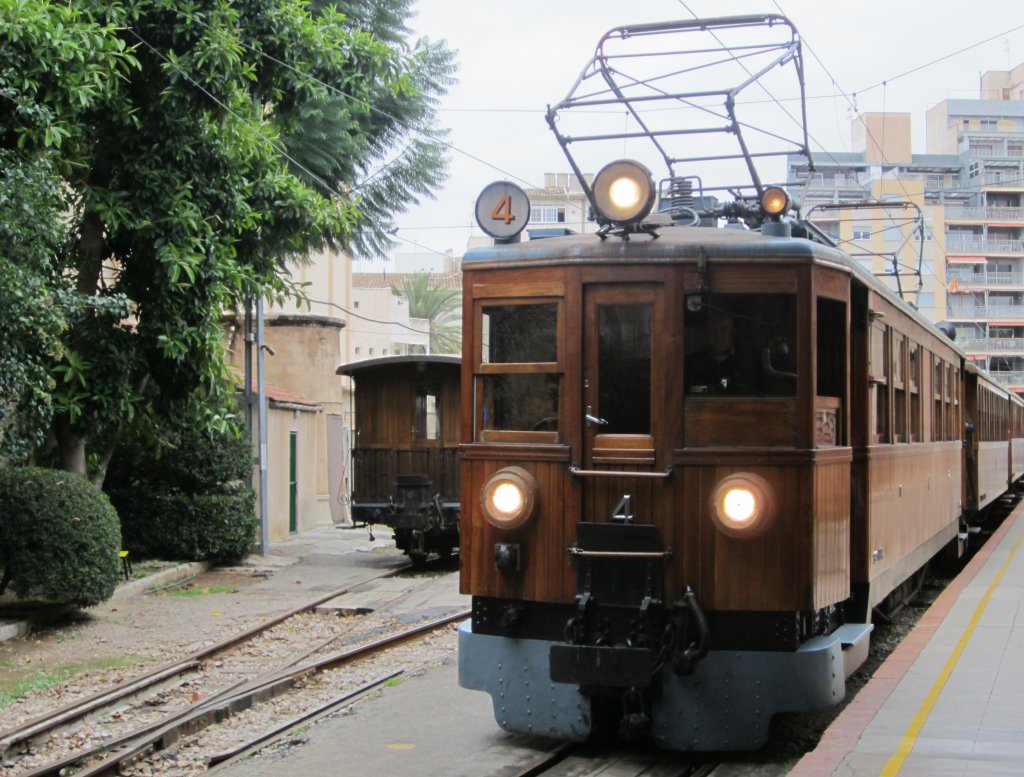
x,y
428,411
831,377
952,401
880,375
914,389
742,345
518,374
899,388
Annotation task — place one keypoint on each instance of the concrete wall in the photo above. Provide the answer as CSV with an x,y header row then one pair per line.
x,y
882,137
281,422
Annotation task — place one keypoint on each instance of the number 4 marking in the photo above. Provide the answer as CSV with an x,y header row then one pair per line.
x,y
503,210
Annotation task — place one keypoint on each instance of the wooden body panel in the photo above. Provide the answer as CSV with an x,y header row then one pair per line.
x,y
800,562
545,573
909,494
710,421
1016,459
991,475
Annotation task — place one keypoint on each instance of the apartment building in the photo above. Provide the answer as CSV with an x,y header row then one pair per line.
x,y
968,187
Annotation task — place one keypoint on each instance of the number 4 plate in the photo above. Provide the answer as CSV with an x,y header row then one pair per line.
x,y
502,210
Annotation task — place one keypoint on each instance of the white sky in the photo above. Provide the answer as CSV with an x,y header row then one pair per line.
x,y
518,56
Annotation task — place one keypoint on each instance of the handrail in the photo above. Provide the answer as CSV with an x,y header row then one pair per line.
x,y
575,551
611,473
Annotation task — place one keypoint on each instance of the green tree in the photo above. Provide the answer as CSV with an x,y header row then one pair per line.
x,y
33,303
169,123
441,307
44,50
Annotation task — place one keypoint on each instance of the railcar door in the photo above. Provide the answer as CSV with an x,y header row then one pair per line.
x,y
623,389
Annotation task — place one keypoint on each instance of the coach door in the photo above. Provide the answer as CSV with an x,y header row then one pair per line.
x,y
623,388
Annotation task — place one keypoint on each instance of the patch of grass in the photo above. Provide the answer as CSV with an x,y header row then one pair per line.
x,y
9,691
14,689
210,589
147,568
392,682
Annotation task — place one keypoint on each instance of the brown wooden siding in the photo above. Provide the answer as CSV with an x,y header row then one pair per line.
x,y
992,476
831,581
769,572
904,495
544,541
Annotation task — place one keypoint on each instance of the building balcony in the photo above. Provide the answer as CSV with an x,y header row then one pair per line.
x,y
984,280
969,312
931,180
982,246
1004,346
1012,379
1001,215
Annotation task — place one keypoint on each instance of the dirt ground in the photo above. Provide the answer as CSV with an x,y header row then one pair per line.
x,y
154,626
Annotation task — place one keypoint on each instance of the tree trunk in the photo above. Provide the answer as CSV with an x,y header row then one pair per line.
x,y
71,446
92,249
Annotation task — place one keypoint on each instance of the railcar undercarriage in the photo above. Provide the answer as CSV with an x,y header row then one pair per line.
x,y
690,680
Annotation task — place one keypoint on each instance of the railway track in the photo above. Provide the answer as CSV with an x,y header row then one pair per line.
x,y
147,716
590,760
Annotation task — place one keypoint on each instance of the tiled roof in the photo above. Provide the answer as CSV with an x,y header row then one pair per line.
x,y
274,393
385,280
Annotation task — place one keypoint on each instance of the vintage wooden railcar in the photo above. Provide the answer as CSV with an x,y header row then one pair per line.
x,y
856,450
404,449
695,459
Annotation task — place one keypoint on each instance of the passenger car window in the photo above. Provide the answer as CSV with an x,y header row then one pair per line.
x,y
742,345
519,380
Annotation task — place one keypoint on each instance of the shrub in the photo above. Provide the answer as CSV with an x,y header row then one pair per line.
x,y
216,527
181,459
59,537
179,498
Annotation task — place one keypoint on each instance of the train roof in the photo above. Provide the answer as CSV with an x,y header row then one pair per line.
x,y
670,244
353,369
673,244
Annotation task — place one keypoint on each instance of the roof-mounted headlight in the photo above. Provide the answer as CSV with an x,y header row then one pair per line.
x,y
774,201
624,192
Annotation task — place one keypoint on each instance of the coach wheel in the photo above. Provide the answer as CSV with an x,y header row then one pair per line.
x,y
418,557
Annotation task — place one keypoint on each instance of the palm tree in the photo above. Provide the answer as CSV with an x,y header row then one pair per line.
x,y
441,307
405,158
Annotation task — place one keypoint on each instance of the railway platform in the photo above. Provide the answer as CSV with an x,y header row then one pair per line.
x,y
950,699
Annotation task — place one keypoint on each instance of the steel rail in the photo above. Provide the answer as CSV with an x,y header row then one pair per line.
x,y
161,734
223,759
41,724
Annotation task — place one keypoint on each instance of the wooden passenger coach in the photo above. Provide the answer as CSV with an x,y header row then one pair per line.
x,y
404,450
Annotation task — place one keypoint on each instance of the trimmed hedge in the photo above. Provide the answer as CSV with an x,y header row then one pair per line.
x,y
182,499
214,527
59,537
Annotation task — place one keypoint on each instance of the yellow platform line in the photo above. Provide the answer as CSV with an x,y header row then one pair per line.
x,y
895,762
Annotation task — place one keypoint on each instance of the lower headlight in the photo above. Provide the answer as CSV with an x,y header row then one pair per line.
x,y
509,498
743,505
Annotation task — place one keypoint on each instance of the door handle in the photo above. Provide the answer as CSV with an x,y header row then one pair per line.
x,y
593,420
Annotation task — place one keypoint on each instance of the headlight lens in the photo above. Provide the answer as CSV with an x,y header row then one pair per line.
x,y
774,201
743,505
624,192
509,498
